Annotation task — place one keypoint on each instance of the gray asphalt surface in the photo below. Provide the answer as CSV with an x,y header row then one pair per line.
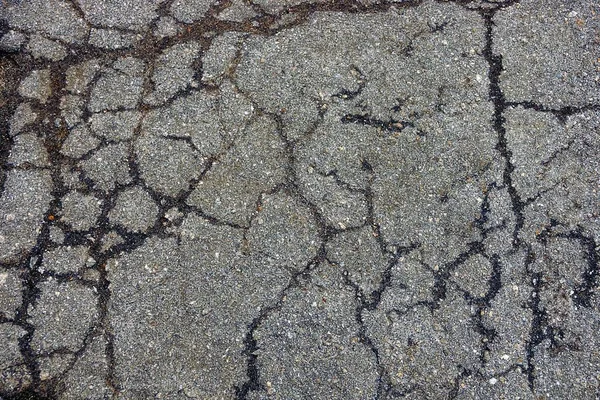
x,y
288,199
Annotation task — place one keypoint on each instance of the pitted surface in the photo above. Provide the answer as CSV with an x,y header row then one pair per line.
x,y
256,199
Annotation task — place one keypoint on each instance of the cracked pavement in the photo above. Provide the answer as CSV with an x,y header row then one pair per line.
x,y
291,199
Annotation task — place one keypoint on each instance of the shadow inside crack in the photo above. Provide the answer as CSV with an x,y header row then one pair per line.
x,y
26,394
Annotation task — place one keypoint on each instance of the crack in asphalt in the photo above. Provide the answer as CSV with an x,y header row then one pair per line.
x,y
266,24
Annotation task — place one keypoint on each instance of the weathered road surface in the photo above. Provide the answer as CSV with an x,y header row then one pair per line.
x,y
283,199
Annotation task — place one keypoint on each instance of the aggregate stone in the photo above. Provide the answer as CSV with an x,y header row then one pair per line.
x,y
24,201
539,159
54,18
513,385
71,109
134,210
112,39
340,153
80,211
193,116
210,123
40,47
63,315
436,189
36,85
118,125
431,193
411,283
173,71
551,45
219,57
445,162
168,166
511,321
79,76
291,199
10,335
13,371
130,14
65,259
23,116
87,376
235,111
444,337
309,348
277,81
275,6
556,168
12,40
268,69
71,178
54,365
163,328
79,142
562,262
218,293
578,346
285,230
473,275
238,11
500,219
109,240
230,190
56,234
118,87
189,11
567,274
10,293
28,149
358,253
331,171
108,166
91,275
174,214
165,27
228,258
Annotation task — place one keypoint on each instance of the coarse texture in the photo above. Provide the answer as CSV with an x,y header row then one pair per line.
x,y
294,199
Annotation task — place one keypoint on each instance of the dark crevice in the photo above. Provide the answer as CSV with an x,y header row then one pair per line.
x,y
465,373
370,303
251,345
442,277
497,98
541,329
204,31
383,381
538,331
438,27
443,273
339,181
584,291
27,394
392,126
11,73
562,113
558,152
346,94
289,186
